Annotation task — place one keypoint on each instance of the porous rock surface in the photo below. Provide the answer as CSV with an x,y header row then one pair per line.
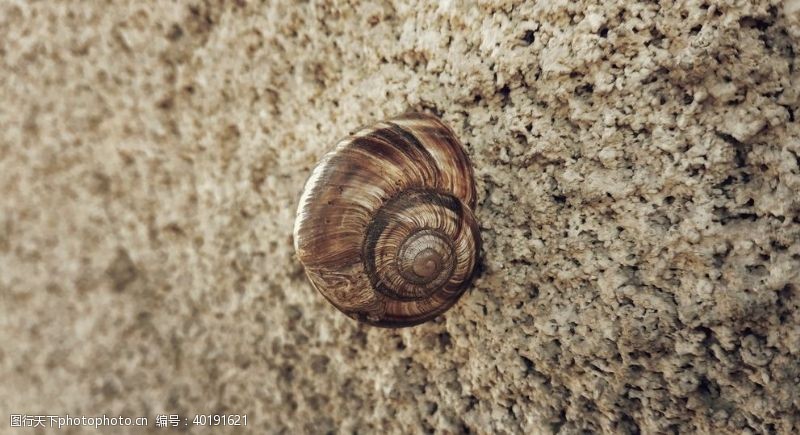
x,y
638,167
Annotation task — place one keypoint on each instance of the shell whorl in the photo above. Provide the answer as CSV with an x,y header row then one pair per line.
x,y
385,228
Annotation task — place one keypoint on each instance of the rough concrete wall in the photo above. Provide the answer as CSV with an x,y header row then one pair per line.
x,y
638,166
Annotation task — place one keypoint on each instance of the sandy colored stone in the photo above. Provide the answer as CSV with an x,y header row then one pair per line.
x,y
638,167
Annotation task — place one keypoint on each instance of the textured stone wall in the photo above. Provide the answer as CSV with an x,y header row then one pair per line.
x,y
638,167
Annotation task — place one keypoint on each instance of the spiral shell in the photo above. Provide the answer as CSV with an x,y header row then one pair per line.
x,y
385,228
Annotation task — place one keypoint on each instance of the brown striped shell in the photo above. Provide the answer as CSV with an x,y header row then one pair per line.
x,y
385,228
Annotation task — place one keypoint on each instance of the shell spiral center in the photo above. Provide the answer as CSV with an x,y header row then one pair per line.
x,y
409,251
425,258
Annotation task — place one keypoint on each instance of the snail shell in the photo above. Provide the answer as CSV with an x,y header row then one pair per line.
x,y
385,228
